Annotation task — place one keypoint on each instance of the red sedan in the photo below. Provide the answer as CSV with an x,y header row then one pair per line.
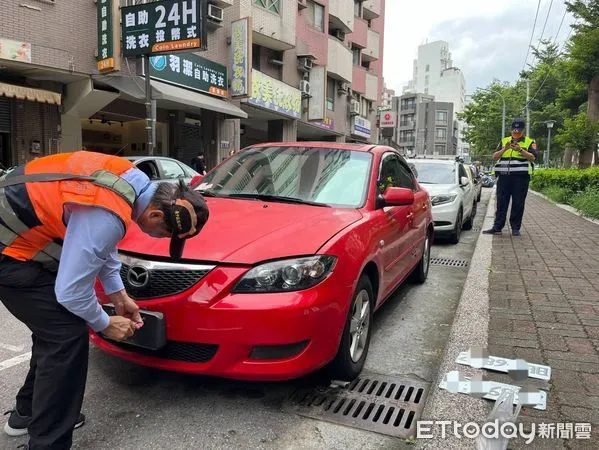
x,y
304,242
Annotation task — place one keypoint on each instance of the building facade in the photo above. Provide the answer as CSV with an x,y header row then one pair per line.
x,y
313,71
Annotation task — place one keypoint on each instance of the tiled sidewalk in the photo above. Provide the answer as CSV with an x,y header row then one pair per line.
x,y
544,308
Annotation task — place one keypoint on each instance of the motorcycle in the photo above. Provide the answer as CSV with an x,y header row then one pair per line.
x,y
488,181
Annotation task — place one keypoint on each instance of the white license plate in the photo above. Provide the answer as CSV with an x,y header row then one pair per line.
x,y
491,390
505,365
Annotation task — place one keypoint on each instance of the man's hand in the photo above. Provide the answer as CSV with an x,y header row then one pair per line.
x,y
126,307
119,328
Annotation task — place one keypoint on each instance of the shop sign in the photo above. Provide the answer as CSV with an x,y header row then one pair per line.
x,y
327,123
275,95
388,120
360,127
241,44
190,71
164,26
108,39
15,50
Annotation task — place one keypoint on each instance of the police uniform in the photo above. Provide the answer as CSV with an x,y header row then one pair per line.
x,y
513,173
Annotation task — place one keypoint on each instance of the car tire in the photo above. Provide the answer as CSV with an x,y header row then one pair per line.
x,y
457,232
470,222
420,273
349,361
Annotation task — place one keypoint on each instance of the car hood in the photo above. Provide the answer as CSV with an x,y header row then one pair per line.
x,y
250,231
437,189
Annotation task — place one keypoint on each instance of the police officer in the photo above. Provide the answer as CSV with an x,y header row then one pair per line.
x,y
514,158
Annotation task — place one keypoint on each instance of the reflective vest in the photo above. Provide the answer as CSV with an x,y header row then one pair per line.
x,y
512,161
33,199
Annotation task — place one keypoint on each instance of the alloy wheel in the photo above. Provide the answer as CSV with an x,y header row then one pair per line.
x,y
360,325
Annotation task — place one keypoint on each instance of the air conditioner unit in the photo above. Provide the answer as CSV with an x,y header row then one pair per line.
x,y
305,64
344,87
305,88
354,107
215,13
340,35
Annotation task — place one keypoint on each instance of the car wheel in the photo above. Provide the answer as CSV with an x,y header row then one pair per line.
x,y
457,232
420,273
470,222
355,340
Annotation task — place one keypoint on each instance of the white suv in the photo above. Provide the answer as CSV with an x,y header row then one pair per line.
x,y
453,194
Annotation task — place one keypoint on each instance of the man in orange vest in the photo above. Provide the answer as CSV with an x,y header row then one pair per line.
x,y
61,218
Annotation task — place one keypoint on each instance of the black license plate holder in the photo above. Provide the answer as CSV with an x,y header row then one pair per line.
x,y
152,336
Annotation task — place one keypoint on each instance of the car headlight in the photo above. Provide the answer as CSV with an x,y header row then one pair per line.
x,y
444,198
286,275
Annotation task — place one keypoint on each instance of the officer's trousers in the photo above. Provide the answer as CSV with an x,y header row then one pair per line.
x,y
52,394
514,187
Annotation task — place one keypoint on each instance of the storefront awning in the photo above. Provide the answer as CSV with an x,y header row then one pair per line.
x,y
167,93
31,94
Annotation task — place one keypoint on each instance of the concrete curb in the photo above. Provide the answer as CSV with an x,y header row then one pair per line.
x,y
566,207
469,329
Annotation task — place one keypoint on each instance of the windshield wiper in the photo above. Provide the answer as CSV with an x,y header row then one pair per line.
x,y
277,198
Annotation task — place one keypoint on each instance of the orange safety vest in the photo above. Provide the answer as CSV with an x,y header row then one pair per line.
x,y
33,200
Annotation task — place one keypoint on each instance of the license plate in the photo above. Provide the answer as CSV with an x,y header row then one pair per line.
x,y
491,390
505,365
151,336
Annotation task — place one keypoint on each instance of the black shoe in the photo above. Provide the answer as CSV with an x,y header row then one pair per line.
x,y
492,231
515,232
17,424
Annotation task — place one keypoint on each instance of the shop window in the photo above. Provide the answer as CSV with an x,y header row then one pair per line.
x,y
270,5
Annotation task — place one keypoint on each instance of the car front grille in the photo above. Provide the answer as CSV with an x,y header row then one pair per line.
x,y
177,351
144,279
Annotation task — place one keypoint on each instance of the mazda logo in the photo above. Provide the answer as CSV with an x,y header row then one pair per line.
x,y
138,277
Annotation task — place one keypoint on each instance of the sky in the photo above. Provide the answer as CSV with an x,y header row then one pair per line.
x,y
487,38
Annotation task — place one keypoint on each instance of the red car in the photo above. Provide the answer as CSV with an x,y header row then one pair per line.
x,y
304,242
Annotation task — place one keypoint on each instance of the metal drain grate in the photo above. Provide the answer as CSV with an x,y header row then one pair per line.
x,y
372,402
449,262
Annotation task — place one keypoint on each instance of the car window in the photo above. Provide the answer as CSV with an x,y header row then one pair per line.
x,y
463,172
389,174
435,173
406,177
150,169
171,169
189,172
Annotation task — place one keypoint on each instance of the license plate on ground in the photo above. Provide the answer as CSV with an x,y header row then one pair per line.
x,y
151,336
505,365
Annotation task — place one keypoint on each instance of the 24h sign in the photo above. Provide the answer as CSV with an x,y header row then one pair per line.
x,y
164,26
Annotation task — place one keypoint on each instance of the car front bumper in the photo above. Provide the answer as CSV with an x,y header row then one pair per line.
x,y
445,216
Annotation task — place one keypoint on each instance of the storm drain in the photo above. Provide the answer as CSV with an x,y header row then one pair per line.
x,y
449,262
372,402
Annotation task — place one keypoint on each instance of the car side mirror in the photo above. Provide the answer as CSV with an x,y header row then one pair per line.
x,y
394,196
196,180
464,181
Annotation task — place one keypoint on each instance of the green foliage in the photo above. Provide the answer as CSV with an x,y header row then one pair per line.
x,y
572,180
584,43
587,202
558,194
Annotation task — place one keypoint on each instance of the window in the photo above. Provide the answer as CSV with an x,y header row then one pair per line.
x,y
428,67
406,177
315,15
171,169
389,172
440,133
358,8
463,172
426,78
271,5
255,56
440,149
331,86
441,116
356,52
150,169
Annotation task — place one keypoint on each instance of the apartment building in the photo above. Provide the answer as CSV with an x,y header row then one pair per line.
x,y
273,70
425,127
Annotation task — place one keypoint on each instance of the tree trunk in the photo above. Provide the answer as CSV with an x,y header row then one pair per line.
x,y
568,157
586,157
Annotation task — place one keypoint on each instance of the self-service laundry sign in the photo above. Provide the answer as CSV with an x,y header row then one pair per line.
x,y
388,119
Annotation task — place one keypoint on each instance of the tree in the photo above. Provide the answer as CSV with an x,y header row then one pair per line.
x,y
584,59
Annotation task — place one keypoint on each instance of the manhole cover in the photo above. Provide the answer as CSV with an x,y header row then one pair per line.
x,y
449,262
372,402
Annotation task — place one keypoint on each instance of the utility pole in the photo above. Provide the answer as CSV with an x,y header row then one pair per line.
x,y
150,111
527,106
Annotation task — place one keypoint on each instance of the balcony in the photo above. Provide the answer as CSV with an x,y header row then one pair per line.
x,y
371,52
358,83
372,87
341,15
340,60
408,125
272,30
371,9
359,36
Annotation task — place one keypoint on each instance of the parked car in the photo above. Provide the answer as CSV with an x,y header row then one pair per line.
x,y
476,180
453,195
304,242
161,168
488,180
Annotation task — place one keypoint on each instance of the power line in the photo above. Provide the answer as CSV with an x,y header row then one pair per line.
x,y
543,31
532,35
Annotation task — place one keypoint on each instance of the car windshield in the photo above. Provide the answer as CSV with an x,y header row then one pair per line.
x,y
319,176
433,173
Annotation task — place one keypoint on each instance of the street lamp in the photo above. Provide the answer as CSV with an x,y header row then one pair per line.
x,y
503,112
549,124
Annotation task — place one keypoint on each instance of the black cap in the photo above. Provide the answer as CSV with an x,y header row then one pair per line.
x,y
188,216
518,124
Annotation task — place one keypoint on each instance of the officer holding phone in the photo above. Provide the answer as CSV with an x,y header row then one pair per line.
x,y
514,158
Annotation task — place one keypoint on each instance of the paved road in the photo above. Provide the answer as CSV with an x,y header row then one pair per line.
x,y
133,407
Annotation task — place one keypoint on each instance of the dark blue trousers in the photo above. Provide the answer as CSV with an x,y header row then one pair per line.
x,y
514,187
